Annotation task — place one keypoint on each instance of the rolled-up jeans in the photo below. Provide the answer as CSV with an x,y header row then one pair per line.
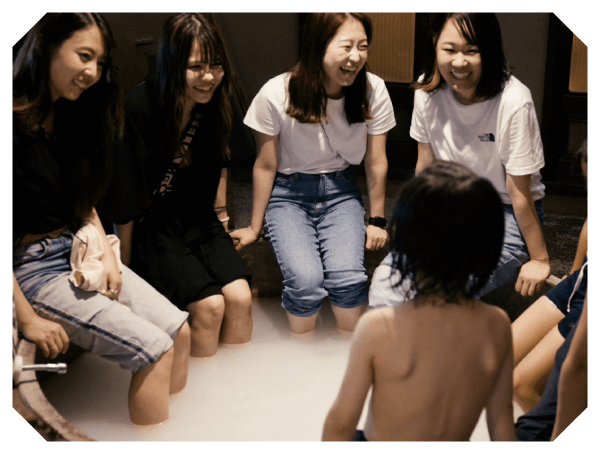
x,y
384,292
315,224
134,332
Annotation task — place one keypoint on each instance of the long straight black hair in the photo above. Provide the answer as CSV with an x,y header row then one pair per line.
x,y
84,129
307,96
177,39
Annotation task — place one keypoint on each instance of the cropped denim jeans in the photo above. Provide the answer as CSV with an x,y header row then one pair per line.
x,y
315,224
134,332
514,254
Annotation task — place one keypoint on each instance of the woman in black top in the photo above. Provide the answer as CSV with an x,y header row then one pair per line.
x,y
62,135
164,199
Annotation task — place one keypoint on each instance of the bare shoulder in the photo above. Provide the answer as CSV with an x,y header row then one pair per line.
x,y
497,313
374,322
498,321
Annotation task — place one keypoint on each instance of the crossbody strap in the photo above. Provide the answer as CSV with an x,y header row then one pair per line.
x,y
165,185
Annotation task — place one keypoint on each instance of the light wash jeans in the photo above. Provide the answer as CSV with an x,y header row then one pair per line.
x,y
316,226
134,332
383,292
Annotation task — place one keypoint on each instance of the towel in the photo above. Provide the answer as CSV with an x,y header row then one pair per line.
x,y
88,248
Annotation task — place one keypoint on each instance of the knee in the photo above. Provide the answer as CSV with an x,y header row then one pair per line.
x,y
240,302
523,387
207,312
305,281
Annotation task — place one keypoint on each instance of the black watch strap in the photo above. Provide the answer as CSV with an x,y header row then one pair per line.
x,y
378,222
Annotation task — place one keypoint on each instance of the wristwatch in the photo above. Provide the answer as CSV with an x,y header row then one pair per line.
x,y
378,222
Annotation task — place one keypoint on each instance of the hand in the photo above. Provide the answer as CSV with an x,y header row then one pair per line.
x,y
48,336
243,237
532,277
111,280
376,238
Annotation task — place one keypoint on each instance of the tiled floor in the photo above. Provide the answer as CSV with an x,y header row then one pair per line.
x,y
275,388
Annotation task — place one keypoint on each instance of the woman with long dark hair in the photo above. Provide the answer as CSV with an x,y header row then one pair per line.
x,y
168,192
470,109
312,124
62,136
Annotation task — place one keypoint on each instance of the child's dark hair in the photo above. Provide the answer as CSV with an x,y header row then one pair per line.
x,y
481,29
448,231
307,97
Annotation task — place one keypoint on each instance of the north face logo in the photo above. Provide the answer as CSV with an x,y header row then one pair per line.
x,y
487,137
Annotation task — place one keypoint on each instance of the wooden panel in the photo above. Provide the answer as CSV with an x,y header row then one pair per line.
x,y
578,79
392,52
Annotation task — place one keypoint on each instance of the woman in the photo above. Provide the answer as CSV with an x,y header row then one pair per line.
x,y
164,194
469,109
62,133
312,123
539,332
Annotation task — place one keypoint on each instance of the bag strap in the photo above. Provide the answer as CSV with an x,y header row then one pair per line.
x,y
165,185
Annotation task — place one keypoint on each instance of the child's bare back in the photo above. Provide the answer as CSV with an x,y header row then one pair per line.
x,y
435,367
436,362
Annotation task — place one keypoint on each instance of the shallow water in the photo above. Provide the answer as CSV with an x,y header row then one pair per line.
x,y
278,387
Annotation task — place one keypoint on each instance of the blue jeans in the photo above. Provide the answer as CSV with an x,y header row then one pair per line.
x,y
514,255
135,331
315,224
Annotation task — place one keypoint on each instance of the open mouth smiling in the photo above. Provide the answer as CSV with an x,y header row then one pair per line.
x,y
460,76
348,71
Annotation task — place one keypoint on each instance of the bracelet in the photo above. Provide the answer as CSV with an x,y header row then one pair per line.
x,y
220,208
224,219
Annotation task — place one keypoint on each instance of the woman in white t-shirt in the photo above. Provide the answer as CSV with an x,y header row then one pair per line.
x,y
469,109
312,123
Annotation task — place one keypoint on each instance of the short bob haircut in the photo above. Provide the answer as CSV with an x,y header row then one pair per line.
x,y
448,232
176,41
482,30
84,128
307,96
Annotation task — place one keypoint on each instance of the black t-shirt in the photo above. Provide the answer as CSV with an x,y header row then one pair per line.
x,y
42,194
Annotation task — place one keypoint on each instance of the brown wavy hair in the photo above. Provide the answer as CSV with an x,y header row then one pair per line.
x,y
307,96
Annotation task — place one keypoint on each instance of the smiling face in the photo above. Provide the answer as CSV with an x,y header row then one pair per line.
x,y
202,78
344,57
459,62
77,64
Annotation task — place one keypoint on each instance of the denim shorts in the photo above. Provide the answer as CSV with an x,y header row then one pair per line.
x,y
514,254
134,332
316,226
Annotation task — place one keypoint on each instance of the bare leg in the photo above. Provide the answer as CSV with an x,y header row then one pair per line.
x,y
237,320
533,325
532,373
149,392
181,354
205,322
346,319
302,325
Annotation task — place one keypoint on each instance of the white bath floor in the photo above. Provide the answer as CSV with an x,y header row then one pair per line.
x,y
275,388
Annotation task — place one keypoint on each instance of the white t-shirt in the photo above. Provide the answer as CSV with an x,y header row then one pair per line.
x,y
492,138
318,147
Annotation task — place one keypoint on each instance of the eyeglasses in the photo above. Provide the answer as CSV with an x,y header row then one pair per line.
x,y
202,68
